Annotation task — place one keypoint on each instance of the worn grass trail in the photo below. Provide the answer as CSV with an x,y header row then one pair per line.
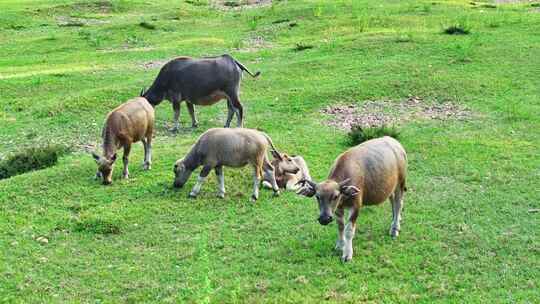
x,y
467,234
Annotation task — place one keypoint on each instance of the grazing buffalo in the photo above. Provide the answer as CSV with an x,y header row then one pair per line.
x,y
364,175
131,122
288,170
200,82
227,147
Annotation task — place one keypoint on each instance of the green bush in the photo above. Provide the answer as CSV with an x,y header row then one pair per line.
x,y
457,29
31,159
96,226
358,135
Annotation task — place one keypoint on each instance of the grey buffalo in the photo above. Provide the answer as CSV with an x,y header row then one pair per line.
x,y
236,148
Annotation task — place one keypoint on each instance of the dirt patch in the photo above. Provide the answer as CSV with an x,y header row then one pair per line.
x,y
154,64
71,21
373,113
512,1
94,7
239,4
253,44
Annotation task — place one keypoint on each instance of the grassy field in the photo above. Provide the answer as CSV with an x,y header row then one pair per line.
x,y
469,233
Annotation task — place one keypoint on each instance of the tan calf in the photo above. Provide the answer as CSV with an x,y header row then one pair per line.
x,y
288,170
227,147
364,175
131,122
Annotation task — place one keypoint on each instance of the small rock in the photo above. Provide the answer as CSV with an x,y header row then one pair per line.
x,y
42,240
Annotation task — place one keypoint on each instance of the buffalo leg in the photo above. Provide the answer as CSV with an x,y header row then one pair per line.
x,y
256,182
202,176
350,229
147,144
270,176
237,106
125,159
230,114
397,204
176,109
340,218
221,181
191,110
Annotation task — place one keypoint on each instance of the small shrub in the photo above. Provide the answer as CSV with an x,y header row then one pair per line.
x,y
147,25
318,11
17,27
359,134
537,4
404,37
197,2
280,21
253,22
457,30
488,5
31,159
426,8
96,226
72,23
301,47
231,3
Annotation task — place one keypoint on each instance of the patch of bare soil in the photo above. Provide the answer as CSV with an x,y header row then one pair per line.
x,y
253,44
71,21
513,1
90,6
372,113
95,7
154,64
239,4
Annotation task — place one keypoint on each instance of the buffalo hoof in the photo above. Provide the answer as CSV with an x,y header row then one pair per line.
x,y
195,125
394,232
276,193
192,195
221,195
125,176
346,259
254,198
146,166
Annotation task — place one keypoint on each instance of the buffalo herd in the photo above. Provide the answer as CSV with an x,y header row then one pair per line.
x,y
367,174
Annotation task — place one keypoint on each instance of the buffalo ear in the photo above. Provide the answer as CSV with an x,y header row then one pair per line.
x,y
307,188
349,191
276,155
95,156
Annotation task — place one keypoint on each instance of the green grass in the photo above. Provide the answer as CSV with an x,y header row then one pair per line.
x,y
467,235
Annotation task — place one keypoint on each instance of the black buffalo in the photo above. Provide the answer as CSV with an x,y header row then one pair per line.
x,y
203,82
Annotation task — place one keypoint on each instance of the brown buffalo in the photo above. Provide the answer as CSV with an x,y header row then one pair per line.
x,y
131,122
364,175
